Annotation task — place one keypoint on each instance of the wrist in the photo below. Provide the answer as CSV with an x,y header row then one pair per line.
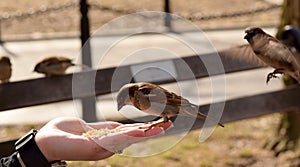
x,y
43,147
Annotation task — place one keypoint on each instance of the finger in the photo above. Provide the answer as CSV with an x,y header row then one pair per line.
x,y
142,133
154,132
125,127
167,125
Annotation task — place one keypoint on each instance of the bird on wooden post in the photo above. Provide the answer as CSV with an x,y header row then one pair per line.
x,y
55,65
5,69
274,53
265,49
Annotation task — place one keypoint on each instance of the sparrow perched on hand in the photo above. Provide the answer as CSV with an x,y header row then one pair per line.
x,y
157,101
5,69
265,49
52,66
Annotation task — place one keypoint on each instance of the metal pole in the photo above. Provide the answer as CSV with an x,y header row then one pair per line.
x,y
89,103
168,16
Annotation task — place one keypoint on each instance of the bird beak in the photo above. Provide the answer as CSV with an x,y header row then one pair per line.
x,y
247,36
36,68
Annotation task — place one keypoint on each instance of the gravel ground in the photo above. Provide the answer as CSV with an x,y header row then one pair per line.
x,y
65,21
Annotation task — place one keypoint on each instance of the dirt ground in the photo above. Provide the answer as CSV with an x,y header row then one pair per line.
x,y
239,144
65,21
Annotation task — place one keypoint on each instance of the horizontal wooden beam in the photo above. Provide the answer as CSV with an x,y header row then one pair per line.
x,y
98,82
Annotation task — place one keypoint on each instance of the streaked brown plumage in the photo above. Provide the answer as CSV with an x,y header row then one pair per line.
x,y
157,101
54,65
5,69
265,49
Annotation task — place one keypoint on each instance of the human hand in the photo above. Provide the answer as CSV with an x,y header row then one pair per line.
x,y
62,139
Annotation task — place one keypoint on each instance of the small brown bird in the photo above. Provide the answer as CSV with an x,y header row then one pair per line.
x,y
265,49
157,101
52,66
5,69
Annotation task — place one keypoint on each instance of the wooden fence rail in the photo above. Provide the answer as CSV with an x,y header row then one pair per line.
x,y
54,89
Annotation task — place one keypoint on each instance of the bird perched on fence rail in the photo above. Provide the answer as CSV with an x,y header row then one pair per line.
x,y
266,49
54,65
157,101
5,69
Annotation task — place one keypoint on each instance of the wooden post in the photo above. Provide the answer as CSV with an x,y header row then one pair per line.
x,y
88,103
168,16
1,42
288,129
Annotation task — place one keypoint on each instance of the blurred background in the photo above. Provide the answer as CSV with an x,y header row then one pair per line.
x,y
33,29
41,19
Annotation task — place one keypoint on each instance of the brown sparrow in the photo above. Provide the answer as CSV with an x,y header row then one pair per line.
x,y
265,49
5,69
52,66
157,101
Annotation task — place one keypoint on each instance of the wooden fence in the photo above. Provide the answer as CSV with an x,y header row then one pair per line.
x,y
54,89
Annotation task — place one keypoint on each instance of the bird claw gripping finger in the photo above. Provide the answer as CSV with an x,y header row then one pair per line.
x,y
270,76
150,125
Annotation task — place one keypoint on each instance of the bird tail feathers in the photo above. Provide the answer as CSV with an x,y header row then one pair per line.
x,y
201,115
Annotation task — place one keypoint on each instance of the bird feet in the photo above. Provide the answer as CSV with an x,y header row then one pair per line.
x,y
270,76
273,75
150,125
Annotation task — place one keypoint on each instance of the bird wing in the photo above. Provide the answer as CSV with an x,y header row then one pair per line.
x,y
175,99
161,95
55,60
153,92
242,53
50,61
279,51
64,59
